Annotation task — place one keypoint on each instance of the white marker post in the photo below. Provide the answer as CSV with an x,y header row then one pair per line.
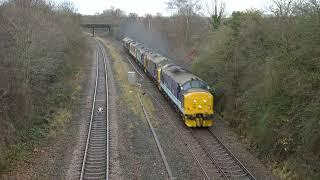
x,y
132,78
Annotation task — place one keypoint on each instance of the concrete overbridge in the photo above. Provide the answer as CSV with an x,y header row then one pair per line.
x,y
97,26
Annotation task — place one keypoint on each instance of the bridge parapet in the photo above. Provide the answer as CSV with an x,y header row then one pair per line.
x,y
93,26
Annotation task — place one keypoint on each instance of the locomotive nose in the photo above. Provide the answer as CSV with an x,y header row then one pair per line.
x,y
198,109
198,103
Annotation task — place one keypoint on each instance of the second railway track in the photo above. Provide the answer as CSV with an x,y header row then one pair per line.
x,y
228,166
95,164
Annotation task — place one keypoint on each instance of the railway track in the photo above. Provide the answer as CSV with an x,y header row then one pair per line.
x,y
228,166
165,115
95,164
155,136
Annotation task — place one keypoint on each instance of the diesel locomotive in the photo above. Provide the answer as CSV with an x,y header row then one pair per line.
x,y
188,93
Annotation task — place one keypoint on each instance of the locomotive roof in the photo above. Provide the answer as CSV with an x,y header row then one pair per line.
x,y
179,74
150,53
176,72
127,39
158,59
135,44
141,47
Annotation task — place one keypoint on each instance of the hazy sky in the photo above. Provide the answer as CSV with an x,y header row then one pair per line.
x,y
143,7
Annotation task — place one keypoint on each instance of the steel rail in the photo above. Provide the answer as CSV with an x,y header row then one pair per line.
x,y
91,118
164,111
249,174
210,156
182,140
163,156
107,109
243,168
228,160
95,164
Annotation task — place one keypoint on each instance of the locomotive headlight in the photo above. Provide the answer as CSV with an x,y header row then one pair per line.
x,y
194,101
199,106
204,101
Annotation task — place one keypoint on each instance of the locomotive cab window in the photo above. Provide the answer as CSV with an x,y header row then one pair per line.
x,y
194,84
186,86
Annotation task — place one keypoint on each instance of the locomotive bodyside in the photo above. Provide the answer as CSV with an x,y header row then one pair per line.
x,y
126,43
133,49
155,62
190,94
139,49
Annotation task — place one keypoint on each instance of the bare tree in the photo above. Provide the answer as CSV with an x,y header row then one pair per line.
x,y
148,18
113,12
216,11
67,7
186,9
312,6
133,16
282,8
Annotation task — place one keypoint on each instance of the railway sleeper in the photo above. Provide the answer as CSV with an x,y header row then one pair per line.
x,y
97,147
95,170
236,175
235,166
92,155
95,162
92,177
97,152
240,171
233,169
220,155
96,159
222,160
95,166
100,173
97,138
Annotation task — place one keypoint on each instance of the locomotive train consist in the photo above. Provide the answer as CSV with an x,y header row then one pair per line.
x,y
187,92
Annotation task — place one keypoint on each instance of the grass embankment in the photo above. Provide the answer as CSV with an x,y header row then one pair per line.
x,y
69,89
129,92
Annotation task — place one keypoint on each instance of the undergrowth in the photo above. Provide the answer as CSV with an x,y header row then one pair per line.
x,y
55,110
268,70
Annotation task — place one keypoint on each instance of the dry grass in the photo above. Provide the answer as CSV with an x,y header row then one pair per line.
x,y
121,69
59,121
121,72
